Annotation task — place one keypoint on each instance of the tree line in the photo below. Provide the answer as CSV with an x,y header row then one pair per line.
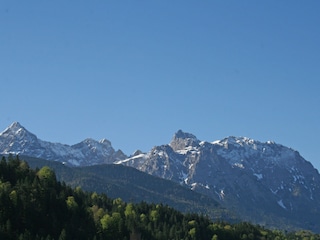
x,y
34,205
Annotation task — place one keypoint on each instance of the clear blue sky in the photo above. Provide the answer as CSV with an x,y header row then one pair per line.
x,y
135,72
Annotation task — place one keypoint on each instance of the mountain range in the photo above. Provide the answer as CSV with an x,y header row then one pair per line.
x,y
265,183
17,140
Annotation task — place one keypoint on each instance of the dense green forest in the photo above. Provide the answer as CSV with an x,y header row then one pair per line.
x,y
34,205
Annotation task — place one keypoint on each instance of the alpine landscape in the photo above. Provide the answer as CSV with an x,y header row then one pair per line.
x,y
236,179
159,120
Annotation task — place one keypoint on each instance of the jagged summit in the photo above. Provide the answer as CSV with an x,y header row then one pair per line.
x,y
184,135
15,125
15,139
14,128
182,139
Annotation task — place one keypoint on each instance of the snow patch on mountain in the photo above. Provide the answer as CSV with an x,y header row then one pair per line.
x,y
280,202
258,175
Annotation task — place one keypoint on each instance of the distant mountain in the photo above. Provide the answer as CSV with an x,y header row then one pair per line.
x,y
17,140
265,183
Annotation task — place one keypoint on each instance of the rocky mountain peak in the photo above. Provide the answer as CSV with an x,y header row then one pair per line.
x,y
14,128
15,139
183,135
15,125
181,140
17,131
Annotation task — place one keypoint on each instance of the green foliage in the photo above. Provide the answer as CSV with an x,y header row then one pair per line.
x,y
47,176
33,205
71,203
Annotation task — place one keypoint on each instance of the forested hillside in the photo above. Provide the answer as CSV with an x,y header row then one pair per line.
x,y
34,205
135,186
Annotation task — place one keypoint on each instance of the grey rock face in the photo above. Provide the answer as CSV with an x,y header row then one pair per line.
x,y
181,140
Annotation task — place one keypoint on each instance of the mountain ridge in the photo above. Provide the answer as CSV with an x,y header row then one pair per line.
x,y
265,183
257,180
16,139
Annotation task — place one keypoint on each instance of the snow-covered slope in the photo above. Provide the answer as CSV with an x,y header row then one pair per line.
x,y
17,140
